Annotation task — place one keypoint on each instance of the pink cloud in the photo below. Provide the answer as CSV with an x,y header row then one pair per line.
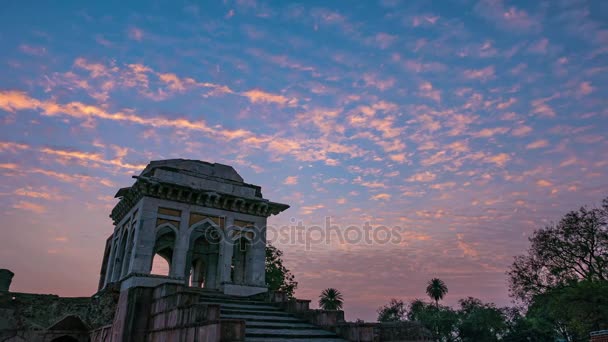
x,y
135,33
426,90
511,18
384,40
480,74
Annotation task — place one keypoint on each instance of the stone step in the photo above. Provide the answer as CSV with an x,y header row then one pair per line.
x,y
279,325
236,306
255,318
287,333
292,339
234,300
232,311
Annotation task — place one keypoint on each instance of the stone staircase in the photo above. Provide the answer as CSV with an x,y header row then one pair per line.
x,y
265,322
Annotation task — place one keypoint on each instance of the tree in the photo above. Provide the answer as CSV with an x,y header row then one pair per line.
x,y
564,276
573,310
436,289
394,311
480,321
331,299
441,320
278,277
574,249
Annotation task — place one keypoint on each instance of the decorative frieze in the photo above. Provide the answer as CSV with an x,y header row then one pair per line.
x,y
148,186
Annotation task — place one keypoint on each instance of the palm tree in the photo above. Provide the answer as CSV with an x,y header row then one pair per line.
x,y
331,299
436,289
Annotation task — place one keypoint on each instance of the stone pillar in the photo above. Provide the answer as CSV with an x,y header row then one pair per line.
x,y
226,249
6,277
211,271
143,250
110,267
104,264
182,245
257,261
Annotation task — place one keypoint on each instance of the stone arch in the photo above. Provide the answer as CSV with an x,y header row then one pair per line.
x,y
164,245
202,260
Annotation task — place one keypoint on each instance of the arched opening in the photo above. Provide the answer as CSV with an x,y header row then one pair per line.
x,y
203,257
160,266
65,338
240,254
163,252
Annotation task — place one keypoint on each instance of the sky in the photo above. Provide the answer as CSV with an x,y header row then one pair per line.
x,y
455,127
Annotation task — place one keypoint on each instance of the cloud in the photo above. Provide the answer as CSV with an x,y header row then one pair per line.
x,y
506,104
41,193
33,50
540,107
426,90
135,33
490,132
305,210
539,47
291,180
499,159
381,197
543,183
521,131
443,186
483,74
372,80
29,206
425,176
509,19
384,40
537,144
466,248
585,88
260,96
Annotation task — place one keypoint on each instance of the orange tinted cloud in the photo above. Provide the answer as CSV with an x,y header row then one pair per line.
x,y
291,180
537,144
29,206
260,96
480,74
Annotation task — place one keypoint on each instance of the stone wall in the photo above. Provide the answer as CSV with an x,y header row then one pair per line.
x,y
599,336
25,312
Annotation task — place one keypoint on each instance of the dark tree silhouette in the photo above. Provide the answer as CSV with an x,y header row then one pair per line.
x,y
574,249
278,277
436,289
331,299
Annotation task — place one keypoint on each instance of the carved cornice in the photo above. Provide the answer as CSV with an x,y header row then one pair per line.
x,y
145,186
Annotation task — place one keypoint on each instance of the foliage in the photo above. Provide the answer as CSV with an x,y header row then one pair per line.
x,y
573,310
331,299
436,289
278,277
394,311
522,327
439,319
480,321
574,249
564,276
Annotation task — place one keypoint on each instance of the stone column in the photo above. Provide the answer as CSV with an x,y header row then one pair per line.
x,y
143,250
6,278
256,272
225,259
182,245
